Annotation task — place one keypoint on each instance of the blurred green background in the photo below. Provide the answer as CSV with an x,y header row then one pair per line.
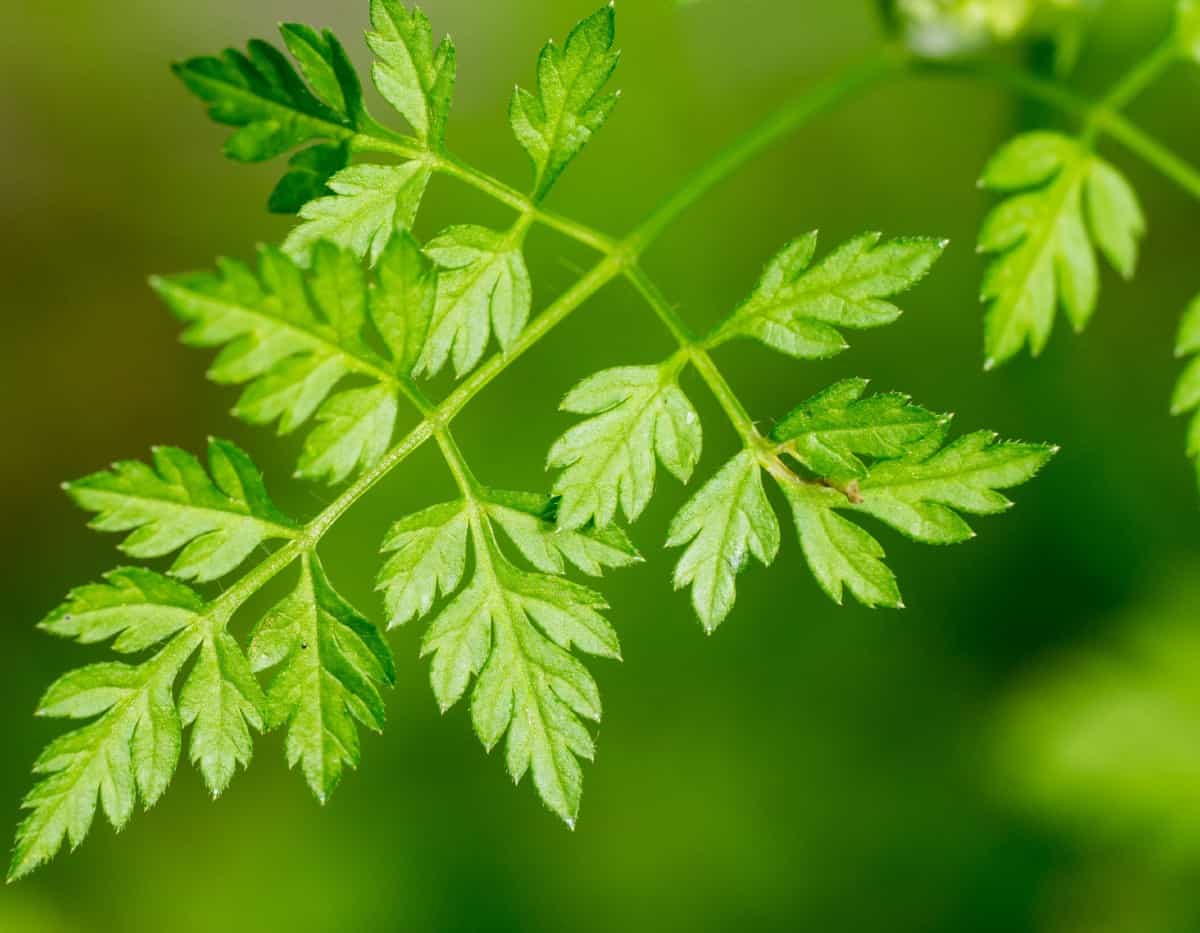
x,y
1006,754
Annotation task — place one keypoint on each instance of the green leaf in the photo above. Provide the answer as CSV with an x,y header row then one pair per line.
x,y
723,525
828,432
530,522
222,701
512,632
175,505
556,123
294,335
638,413
261,93
1062,200
428,555
921,494
354,430
330,663
411,75
1186,398
483,288
140,607
402,300
369,204
131,748
798,307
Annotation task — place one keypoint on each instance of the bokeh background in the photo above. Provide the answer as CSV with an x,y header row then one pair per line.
x,y
1019,750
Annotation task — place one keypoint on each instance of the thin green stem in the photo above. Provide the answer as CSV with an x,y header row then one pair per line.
x,y
1140,77
817,100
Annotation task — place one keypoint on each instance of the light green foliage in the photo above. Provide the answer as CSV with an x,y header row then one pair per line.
x,y
483,288
215,518
638,415
329,663
413,77
921,494
798,307
1186,399
366,206
510,630
1062,202
554,124
328,332
723,525
131,747
294,335
828,433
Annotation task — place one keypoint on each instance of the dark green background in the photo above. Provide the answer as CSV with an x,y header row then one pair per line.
x,y
808,767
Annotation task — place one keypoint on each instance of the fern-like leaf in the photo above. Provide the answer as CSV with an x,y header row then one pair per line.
x,y
725,524
797,307
483,288
413,76
638,415
330,663
1063,201
554,124
293,336
215,518
131,748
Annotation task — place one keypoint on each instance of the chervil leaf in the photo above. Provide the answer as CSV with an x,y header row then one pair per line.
x,y
725,523
140,607
1062,199
921,494
483,288
1187,391
294,335
354,431
330,664
262,94
428,554
638,413
513,631
368,205
556,123
130,749
414,78
530,521
797,307
222,702
828,432
174,504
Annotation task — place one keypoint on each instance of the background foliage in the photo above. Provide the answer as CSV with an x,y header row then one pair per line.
x,y
767,775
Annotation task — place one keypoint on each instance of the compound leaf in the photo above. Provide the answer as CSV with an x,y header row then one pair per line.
x,y
829,432
214,521
330,663
798,307
483,287
638,414
293,335
723,525
427,555
554,124
411,75
1062,199
368,205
